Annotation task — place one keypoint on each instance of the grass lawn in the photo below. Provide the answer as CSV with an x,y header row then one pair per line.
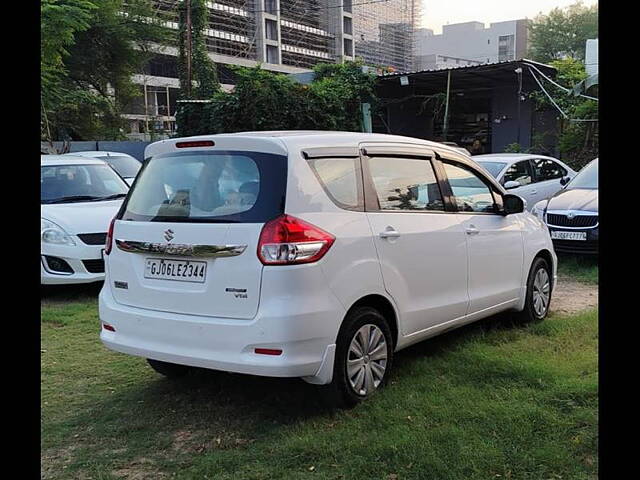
x,y
579,267
487,401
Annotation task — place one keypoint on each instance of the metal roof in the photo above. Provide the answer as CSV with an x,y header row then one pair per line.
x,y
484,66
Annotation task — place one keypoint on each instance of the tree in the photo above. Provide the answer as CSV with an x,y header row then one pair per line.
x,y
563,33
194,66
90,50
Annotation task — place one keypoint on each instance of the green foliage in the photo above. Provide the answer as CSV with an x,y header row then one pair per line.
x,y
513,148
563,32
262,100
203,71
90,50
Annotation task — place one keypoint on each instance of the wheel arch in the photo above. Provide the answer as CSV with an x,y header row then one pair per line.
x,y
384,306
548,257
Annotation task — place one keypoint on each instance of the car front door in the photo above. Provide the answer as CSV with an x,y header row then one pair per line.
x,y
421,246
521,173
494,241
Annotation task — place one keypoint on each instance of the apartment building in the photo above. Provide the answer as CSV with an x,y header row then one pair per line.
x,y
472,42
287,36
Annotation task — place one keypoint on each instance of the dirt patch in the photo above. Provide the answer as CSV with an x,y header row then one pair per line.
x,y
570,296
139,469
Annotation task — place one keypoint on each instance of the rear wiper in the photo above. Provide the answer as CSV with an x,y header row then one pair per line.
x,y
113,197
73,198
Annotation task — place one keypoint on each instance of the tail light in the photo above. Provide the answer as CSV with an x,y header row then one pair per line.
x,y
287,240
109,241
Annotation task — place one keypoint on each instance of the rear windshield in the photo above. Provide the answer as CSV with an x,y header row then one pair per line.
x,y
126,167
220,187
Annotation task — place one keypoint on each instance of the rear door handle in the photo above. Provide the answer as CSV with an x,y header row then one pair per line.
x,y
389,232
471,230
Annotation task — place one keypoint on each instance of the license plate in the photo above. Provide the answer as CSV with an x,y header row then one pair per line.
x,y
180,270
556,235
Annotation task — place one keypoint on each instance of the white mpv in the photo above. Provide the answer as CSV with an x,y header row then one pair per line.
x,y
313,254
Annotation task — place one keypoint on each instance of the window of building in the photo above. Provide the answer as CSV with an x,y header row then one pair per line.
x,y
506,48
347,25
272,54
271,6
348,47
271,28
347,6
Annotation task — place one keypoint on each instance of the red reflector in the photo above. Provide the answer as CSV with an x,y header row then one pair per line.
x,y
106,326
109,240
268,351
195,143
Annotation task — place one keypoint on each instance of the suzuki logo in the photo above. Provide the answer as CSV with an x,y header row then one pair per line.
x,y
168,235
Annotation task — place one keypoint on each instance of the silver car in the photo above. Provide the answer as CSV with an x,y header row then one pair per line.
x,y
533,177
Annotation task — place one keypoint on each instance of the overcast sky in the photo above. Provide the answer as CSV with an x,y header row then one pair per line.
x,y
436,13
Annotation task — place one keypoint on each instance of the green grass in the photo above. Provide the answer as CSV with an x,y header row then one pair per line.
x,y
580,268
487,401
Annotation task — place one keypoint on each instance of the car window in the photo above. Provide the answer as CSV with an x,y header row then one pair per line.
x,y
518,172
405,184
339,178
62,183
494,168
546,169
203,186
126,167
470,193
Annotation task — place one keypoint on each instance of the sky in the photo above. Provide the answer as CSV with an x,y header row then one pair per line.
x,y
436,13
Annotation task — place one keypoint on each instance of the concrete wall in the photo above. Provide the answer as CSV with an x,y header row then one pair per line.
x,y
135,149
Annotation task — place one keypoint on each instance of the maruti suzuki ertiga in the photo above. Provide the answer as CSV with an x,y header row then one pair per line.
x,y
313,254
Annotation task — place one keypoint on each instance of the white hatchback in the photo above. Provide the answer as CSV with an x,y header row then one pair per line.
x,y
78,197
533,177
313,254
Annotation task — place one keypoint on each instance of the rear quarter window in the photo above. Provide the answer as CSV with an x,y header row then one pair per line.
x,y
222,186
340,179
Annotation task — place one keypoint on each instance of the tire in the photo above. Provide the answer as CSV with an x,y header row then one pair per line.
x,y
169,370
539,289
367,374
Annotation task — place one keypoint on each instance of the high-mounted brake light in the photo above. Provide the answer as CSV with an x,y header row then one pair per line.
x,y
287,240
195,143
109,240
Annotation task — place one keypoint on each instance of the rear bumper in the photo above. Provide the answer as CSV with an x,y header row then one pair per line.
x,y
306,338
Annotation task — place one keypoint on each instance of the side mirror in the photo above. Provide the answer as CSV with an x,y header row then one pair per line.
x,y
564,181
511,184
513,204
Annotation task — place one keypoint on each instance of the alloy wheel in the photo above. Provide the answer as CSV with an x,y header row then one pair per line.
x,y
541,292
367,359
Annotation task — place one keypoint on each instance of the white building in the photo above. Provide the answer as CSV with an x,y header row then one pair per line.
x,y
472,42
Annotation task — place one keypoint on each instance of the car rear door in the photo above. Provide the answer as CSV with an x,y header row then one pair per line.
x,y
548,174
421,246
186,239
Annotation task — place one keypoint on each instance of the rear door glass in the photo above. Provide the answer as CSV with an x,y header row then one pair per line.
x,y
209,186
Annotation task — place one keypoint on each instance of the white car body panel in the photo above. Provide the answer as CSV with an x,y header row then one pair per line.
x,y
75,218
434,276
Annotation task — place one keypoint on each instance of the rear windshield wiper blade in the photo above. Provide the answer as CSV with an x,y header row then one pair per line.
x,y
73,198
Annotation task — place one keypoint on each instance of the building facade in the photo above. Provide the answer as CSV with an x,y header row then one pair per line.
x,y
473,42
286,36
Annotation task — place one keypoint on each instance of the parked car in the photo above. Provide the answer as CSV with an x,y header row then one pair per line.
x,y
78,197
572,213
533,177
313,254
125,165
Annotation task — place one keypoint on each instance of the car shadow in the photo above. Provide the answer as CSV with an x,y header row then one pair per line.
x,y
82,292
